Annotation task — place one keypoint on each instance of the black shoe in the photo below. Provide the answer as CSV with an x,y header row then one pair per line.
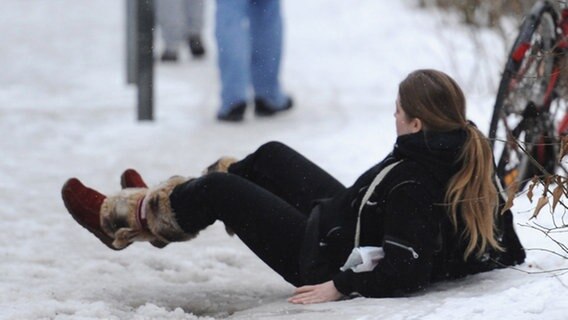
x,y
169,56
236,113
264,109
196,46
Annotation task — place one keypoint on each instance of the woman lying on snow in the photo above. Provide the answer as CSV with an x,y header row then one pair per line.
x,y
429,211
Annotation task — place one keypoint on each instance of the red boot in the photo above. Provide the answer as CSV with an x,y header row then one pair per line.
x,y
91,210
130,178
84,205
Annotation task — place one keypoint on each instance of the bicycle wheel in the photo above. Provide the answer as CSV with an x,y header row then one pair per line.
x,y
521,127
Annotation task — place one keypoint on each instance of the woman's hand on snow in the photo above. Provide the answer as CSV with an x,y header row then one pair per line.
x,y
318,293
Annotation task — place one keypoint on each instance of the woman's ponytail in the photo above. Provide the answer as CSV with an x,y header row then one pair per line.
x,y
473,192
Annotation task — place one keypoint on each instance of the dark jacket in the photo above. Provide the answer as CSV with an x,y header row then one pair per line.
x,y
406,217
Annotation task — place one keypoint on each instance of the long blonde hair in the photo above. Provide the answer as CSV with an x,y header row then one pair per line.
x,y
437,100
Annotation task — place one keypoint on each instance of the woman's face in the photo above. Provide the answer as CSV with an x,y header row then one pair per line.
x,y
404,125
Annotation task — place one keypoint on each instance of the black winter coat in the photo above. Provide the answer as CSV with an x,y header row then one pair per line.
x,y
405,217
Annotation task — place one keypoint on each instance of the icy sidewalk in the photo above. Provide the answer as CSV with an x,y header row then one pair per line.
x,y
65,111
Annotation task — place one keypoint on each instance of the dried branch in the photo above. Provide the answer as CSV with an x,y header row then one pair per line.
x,y
545,231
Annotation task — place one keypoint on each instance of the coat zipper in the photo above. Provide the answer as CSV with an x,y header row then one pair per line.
x,y
410,249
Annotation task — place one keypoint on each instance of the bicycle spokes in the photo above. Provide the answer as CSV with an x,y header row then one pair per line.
x,y
521,131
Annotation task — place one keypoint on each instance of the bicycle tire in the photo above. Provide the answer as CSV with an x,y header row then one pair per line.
x,y
520,127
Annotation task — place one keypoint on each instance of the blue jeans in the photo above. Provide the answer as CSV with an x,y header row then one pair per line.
x,y
249,41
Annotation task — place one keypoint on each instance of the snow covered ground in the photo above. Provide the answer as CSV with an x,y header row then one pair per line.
x,y
65,111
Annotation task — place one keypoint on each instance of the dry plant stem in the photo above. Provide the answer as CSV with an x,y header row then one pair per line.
x,y
546,232
560,280
548,251
558,272
546,181
547,174
541,168
533,160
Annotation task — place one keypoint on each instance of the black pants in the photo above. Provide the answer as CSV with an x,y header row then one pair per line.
x,y
265,199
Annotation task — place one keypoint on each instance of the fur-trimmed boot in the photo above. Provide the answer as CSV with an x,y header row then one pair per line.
x,y
221,165
134,214
157,210
130,178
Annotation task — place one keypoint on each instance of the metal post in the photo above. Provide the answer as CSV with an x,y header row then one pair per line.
x,y
140,55
145,40
131,41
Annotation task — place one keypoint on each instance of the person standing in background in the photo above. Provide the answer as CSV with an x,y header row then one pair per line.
x,y
249,37
180,20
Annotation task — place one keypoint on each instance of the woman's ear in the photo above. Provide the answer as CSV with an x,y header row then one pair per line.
x,y
416,125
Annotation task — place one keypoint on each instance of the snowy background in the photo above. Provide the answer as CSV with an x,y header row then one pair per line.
x,y
65,111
